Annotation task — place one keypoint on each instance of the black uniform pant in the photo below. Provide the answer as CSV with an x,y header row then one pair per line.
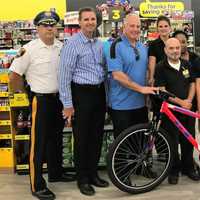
x,y
46,139
123,119
184,162
88,127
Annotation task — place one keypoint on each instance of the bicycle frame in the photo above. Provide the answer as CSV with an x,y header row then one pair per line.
x,y
165,108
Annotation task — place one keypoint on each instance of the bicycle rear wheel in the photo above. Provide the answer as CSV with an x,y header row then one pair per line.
x,y
134,166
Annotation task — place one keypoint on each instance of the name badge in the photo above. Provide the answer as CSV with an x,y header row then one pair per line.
x,y
186,73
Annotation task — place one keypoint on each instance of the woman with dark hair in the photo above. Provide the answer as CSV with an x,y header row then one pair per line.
x,y
156,47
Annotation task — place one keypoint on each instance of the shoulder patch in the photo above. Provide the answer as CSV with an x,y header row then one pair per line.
x,y
20,53
113,46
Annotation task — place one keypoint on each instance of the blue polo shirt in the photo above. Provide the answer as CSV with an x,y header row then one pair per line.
x,y
120,97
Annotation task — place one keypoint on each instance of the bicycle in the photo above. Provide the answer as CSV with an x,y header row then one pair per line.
x,y
133,155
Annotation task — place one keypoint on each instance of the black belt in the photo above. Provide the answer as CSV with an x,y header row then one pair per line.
x,y
88,86
45,94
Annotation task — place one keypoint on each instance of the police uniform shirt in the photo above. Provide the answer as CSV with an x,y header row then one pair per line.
x,y
175,81
156,49
40,64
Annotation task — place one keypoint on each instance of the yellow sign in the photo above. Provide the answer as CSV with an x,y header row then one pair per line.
x,y
11,10
154,9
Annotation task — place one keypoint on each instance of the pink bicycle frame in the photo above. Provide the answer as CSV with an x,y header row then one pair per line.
x,y
165,108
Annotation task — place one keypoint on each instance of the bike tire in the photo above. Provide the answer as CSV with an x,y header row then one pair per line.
x,y
121,140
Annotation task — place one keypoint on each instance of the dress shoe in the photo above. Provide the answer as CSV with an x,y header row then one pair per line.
x,y
192,175
86,189
66,177
44,194
98,182
173,179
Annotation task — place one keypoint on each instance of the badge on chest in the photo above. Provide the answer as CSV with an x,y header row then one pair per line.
x,y
186,73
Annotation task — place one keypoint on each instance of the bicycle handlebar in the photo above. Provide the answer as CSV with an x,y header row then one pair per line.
x,y
164,95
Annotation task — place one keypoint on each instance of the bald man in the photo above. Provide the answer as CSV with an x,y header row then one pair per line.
x,y
174,75
127,68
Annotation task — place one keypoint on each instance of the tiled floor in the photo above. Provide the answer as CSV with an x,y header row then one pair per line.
x,y
16,187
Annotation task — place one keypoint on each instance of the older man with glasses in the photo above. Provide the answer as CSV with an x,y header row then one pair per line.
x,y
127,68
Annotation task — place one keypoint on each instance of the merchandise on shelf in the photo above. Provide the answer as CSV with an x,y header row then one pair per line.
x,y
15,34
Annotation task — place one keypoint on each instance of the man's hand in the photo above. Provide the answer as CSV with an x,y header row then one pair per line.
x,y
68,113
186,104
149,90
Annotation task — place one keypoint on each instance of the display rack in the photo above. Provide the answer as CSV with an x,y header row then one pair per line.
x,y
17,33
7,159
6,136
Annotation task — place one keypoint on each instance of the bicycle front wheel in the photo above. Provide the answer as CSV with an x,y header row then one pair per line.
x,y
139,161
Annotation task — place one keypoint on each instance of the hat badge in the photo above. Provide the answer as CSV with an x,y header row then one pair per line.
x,y
48,14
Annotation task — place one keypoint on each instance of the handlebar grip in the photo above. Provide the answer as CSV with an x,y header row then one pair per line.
x,y
165,95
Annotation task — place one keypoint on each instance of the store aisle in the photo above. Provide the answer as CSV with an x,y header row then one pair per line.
x,y
15,187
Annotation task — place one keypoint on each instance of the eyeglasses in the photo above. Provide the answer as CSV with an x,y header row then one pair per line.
x,y
137,53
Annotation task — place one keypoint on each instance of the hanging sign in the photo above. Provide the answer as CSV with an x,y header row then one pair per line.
x,y
154,9
13,10
116,14
71,18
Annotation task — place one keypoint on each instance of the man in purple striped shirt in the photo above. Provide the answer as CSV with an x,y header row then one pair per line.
x,y
82,92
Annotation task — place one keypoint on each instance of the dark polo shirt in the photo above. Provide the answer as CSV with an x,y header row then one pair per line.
x,y
176,82
156,49
195,62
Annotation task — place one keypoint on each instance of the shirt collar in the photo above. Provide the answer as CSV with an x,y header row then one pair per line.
x,y
43,45
86,39
166,63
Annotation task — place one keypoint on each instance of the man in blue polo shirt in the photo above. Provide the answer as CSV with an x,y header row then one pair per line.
x,y
127,67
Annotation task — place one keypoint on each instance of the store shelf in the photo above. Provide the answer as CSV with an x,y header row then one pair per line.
x,y
5,122
4,108
6,158
19,100
5,136
4,78
22,137
26,166
22,166
3,94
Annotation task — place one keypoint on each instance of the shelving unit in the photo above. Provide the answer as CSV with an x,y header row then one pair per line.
x,y
15,34
149,31
6,135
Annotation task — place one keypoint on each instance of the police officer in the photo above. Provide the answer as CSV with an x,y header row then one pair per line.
x,y
38,61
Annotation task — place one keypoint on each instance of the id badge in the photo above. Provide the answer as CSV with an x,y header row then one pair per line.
x,y
186,73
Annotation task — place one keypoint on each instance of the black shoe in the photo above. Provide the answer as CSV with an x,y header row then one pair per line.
x,y
44,194
173,179
192,175
98,182
66,177
86,189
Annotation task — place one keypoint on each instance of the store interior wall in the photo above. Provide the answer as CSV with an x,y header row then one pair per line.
x,y
76,4
194,5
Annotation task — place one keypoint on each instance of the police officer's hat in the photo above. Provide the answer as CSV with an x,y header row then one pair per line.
x,y
46,18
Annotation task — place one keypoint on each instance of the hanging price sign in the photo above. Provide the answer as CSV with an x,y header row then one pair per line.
x,y
116,14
